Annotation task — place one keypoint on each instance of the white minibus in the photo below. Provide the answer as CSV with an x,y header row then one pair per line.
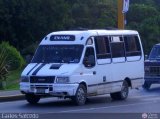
x,y
82,63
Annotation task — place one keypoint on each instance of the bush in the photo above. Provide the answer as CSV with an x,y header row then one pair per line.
x,y
10,59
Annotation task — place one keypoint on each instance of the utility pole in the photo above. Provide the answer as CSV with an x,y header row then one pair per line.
x,y
121,22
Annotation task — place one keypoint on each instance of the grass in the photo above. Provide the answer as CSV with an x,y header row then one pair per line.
x,y
12,82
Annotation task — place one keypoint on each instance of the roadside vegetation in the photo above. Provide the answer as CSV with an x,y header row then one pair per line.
x,y
12,81
23,23
10,64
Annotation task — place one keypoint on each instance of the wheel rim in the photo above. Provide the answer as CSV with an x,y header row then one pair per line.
x,y
124,91
81,95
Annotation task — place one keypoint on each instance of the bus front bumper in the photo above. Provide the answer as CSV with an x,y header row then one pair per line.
x,y
57,90
152,79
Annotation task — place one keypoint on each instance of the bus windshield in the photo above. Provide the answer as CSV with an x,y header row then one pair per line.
x,y
58,54
155,53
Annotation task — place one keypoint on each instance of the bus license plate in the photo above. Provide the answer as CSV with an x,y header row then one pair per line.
x,y
40,90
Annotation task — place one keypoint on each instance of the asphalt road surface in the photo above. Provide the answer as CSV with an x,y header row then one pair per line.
x,y
138,101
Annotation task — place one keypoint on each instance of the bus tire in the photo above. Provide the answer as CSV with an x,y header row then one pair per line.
x,y
80,96
32,99
123,94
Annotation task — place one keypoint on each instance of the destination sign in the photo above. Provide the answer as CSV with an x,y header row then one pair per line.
x,y
62,38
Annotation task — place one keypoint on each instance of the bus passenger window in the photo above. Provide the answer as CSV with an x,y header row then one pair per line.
x,y
132,46
102,47
117,50
117,47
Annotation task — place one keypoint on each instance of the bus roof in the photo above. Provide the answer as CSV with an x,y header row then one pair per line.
x,y
80,36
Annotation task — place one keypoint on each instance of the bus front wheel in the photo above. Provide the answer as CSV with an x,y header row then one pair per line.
x,y
81,95
32,98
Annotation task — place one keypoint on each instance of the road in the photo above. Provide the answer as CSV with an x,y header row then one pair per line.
x,y
138,101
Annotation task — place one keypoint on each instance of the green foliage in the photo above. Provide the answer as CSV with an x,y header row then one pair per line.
x,y
146,2
151,30
145,18
141,12
93,14
14,59
10,59
3,63
12,81
25,22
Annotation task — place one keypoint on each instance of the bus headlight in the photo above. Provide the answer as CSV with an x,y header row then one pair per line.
x,y
62,80
24,79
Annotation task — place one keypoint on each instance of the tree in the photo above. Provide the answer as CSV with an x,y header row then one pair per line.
x,y
145,19
94,14
150,31
10,59
23,23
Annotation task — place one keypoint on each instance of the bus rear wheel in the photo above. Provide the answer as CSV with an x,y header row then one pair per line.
x,y
123,94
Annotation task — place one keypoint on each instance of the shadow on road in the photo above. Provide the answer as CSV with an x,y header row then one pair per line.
x,y
61,103
154,88
91,101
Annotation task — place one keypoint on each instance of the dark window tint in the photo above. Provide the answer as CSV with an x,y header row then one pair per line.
x,y
102,47
155,53
89,58
58,54
117,47
132,46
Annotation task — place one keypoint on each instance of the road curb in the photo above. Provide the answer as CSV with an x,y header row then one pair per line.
x,y
12,98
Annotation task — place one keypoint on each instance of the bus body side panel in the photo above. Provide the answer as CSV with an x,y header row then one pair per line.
x,y
128,70
104,76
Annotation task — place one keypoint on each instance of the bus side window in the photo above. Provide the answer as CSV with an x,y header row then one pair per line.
x,y
89,58
117,47
132,46
102,47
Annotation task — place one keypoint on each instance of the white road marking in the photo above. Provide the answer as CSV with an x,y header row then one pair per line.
x,y
151,99
142,96
97,108
147,98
